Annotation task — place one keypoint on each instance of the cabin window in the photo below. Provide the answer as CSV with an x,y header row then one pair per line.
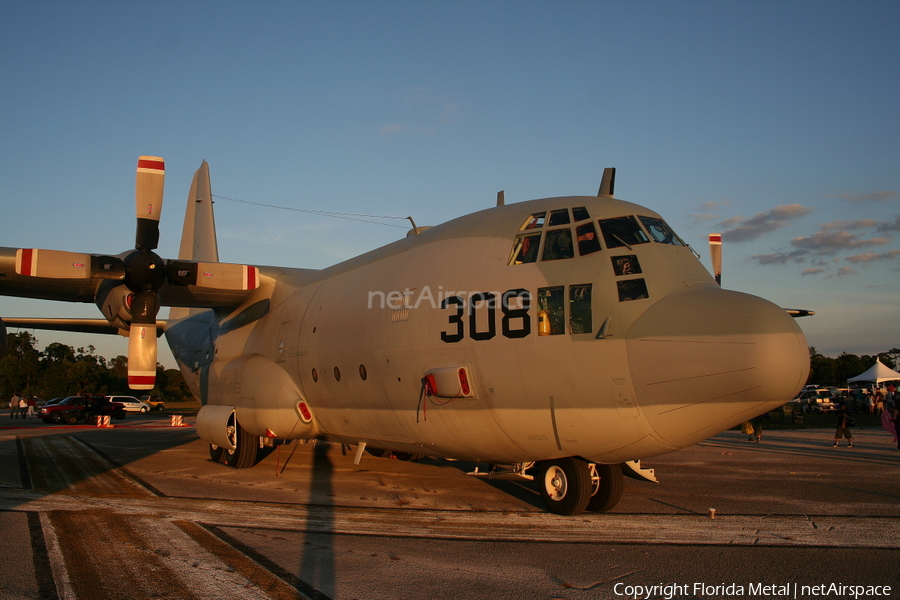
x,y
559,217
580,213
534,221
626,265
622,231
632,289
558,245
580,309
660,231
526,249
551,306
588,241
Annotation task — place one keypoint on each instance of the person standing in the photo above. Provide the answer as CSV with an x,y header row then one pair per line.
x,y
14,406
32,404
757,423
23,406
844,422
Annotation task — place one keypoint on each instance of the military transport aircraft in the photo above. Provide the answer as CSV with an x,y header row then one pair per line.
x,y
574,334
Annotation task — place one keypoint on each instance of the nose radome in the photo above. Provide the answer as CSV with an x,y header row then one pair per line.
x,y
706,359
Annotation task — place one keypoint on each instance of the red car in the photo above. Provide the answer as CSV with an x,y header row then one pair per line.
x,y
80,408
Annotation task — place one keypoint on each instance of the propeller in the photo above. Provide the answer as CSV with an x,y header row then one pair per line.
x,y
141,270
715,253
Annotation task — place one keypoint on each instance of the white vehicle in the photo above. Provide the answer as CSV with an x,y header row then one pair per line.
x,y
131,403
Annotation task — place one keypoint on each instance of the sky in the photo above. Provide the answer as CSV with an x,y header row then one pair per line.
x,y
776,124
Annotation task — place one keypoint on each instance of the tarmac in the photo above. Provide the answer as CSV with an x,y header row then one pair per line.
x,y
138,510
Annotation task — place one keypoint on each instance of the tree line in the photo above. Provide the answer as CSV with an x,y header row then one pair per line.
x,y
828,371
60,370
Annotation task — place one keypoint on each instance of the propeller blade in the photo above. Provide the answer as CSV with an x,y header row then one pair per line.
x,y
220,276
151,177
57,264
142,357
715,253
142,341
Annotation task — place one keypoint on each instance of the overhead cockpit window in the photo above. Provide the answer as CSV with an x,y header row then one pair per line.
x,y
534,221
588,241
660,231
622,231
559,217
558,245
526,248
580,213
632,289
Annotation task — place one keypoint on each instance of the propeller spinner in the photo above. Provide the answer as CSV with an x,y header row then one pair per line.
x,y
141,270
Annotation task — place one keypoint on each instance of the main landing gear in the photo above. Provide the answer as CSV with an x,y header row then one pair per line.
x,y
246,448
571,485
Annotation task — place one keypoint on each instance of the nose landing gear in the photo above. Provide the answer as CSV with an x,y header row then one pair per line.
x,y
571,485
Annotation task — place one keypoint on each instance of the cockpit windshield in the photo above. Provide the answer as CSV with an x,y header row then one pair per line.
x,y
660,231
622,231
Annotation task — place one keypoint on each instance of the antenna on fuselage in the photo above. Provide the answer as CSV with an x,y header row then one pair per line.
x,y
608,183
501,198
715,254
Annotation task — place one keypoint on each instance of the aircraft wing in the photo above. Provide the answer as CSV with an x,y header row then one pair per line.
x,y
86,289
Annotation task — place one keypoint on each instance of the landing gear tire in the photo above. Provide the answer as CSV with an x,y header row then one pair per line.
x,y
215,453
607,484
565,485
246,448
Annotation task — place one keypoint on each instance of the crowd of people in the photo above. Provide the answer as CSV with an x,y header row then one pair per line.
x,y
23,406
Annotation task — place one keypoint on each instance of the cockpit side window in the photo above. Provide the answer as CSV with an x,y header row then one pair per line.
x,y
588,241
660,231
559,217
534,221
622,231
558,245
526,248
580,213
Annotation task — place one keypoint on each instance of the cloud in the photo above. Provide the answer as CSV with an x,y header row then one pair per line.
x,y
884,196
854,224
830,242
763,223
779,258
888,225
872,257
391,129
847,271
812,271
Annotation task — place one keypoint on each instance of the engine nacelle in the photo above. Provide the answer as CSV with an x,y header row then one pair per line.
x,y
114,301
262,396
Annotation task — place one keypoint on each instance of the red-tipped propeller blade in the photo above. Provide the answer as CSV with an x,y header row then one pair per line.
x,y
142,341
56,264
220,276
151,177
715,253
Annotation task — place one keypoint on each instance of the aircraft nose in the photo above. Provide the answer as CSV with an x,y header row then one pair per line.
x,y
706,359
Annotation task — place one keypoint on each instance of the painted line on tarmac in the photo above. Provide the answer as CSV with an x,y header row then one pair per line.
x,y
725,530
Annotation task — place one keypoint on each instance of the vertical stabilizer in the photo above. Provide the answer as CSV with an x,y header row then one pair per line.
x,y
198,238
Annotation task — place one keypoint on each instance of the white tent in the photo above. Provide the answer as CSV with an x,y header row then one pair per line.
x,y
876,374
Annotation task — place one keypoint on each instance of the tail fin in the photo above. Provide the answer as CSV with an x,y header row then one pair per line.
x,y
198,238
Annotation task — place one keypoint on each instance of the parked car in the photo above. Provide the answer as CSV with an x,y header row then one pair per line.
x,y
155,402
818,400
130,403
73,409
